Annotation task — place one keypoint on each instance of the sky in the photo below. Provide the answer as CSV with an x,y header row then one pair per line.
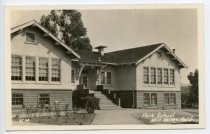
x,y
127,28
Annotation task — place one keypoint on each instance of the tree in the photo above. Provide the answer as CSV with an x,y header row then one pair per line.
x,y
68,26
193,79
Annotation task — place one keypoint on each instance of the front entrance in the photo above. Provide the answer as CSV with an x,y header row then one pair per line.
x,y
84,78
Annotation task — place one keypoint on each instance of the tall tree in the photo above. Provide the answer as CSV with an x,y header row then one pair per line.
x,y
193,79
68,26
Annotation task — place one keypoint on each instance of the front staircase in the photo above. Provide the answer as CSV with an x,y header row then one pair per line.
x,y
105,103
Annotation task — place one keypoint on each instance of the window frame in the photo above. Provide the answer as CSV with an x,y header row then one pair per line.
x,y
33,67
102,77
159,76
44,97
30,42
72,75
150,99
153,76
46,68
18,67
109,78
20,99
55,70
170,98
172,77
146,75
165,76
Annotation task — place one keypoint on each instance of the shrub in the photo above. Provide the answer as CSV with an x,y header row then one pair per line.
x,y
90,103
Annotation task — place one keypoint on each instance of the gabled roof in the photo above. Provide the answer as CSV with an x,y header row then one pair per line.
x,y
35,23
127,56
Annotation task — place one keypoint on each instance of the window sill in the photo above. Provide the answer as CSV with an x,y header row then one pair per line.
x,y
33,43
159,85
36,82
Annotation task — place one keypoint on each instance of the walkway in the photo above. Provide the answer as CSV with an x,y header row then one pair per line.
x,y
115,117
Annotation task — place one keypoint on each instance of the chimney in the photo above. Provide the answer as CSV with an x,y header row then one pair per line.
x,y
174,51
101,49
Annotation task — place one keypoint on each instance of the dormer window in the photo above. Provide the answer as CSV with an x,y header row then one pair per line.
x,y
30,37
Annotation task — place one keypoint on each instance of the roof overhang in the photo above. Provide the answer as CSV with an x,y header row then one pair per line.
x,y
34,23
169,51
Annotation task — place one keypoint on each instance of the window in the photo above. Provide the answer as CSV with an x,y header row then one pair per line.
x,y
159,76
153,75
160,55
150,99
170,98
17,99
55,67
172,82
30,68
153,99
44,99
109,78
102,77
30,37
165,76
16,68
72,76
146,75
146,99
43,69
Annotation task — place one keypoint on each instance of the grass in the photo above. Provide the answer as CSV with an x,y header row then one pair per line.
x,y
73,119
151,117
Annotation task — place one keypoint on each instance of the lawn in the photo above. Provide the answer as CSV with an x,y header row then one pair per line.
x,y
73,119
167,116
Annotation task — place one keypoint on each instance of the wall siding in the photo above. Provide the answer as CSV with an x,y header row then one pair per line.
x,y
31,97
160,100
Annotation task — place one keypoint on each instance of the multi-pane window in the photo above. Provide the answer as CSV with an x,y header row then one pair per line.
x,y
109,77
44,99
165,76
153,75
43,69
159,75
172,82
30,68
102,78
146,99
30,37
150,99
17,99
153,99
16,68
55,70
146,75
72,75
170,98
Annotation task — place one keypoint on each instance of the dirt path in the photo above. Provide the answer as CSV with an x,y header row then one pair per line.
x,y
115,117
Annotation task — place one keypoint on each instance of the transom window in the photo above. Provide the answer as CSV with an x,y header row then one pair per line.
x,y
55,76
172,82
30,37
30,68
150,99
43,69
153,75
170,98
165,76
44,99
146,75
17,99
16,68
159,75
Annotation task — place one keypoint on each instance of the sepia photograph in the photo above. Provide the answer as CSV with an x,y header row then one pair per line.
x,y
104,67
